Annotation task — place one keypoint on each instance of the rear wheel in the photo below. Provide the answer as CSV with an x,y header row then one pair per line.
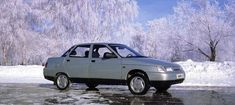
x,y
138,84
62,81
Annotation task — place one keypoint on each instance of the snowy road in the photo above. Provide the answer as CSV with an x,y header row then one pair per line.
x,y
48,94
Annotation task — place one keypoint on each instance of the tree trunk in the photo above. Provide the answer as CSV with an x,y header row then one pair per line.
x,y
4,57
213,53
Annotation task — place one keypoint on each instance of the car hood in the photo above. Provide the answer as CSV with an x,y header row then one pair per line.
x,y
147,61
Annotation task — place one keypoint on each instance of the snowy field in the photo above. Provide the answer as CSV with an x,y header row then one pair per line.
x,y
208,73
197,74
22,74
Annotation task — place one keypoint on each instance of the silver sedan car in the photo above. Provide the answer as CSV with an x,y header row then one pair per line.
x,y
111,64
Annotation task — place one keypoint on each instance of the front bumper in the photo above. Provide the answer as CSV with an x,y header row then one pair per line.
x,y
165,83
166,76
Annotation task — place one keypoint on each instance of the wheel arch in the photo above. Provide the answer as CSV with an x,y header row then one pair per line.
x,y
61,73
134,71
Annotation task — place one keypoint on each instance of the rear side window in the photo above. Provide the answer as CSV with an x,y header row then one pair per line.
x,y
81,51
67,52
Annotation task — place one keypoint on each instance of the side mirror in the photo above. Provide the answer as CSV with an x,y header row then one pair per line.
x,y
73,53
108,55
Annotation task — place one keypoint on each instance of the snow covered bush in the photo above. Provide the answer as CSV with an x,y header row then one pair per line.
x,y
197,74
209,73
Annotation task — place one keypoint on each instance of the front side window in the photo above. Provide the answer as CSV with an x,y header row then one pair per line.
x,y
81,51
124,51
99,51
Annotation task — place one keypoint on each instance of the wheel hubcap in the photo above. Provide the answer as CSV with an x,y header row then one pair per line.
x,y
62,81
137,84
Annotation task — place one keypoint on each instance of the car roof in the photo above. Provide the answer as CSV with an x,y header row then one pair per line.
x,y
97,43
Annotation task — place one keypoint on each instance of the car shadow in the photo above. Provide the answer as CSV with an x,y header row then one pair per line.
x,y
48,86
156,98
92,89
125,97
73,87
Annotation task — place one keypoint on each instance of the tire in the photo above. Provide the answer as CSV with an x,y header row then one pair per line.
x,y
134,84
91,85
162,88
62,82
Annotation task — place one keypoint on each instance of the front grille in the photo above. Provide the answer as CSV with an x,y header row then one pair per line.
x,y
176,69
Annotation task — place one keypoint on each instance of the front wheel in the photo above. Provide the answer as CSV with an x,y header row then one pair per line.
x,y
138,84
62,82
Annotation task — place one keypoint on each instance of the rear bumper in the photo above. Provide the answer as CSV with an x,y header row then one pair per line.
x,y
165,83
49,78
47,73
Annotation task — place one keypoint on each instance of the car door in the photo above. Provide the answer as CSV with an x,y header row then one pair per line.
x,y
104,68
78,62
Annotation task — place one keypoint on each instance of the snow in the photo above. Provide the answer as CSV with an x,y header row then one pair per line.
x,y
22,74
197,74
208,73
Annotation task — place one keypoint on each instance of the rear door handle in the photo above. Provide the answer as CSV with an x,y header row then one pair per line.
x,y
92,60
67,60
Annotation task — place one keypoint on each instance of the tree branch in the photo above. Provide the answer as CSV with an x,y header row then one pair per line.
x,y
202,52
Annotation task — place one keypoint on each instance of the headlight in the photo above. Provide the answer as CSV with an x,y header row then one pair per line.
x,y
169,69
160,68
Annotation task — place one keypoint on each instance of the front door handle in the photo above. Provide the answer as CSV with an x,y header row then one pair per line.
x,y
67,60
92,60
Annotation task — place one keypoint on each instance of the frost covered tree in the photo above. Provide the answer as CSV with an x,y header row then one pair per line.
x,y
230,12
137,37
156,38
198,30
206,26
32,30
14,33
72,22
159,40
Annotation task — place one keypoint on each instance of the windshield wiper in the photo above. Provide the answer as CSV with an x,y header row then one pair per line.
x,y
140,56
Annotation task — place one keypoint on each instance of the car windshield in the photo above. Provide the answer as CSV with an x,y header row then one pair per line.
x,y
124,51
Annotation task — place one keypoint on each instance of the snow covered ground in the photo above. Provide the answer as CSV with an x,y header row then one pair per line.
x,y
208,73
22,74
197,74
